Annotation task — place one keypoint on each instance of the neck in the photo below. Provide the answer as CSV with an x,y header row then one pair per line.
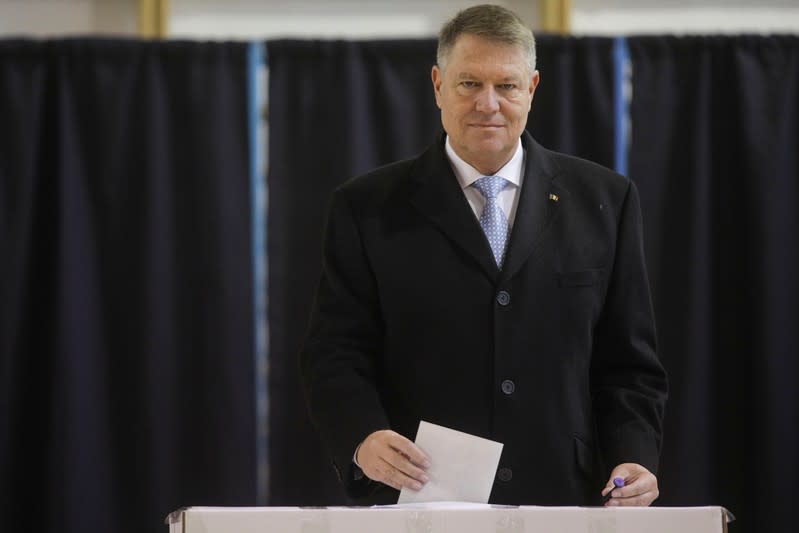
x,y
487,167
485,164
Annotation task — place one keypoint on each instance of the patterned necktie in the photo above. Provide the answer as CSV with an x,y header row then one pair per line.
x,y
493,220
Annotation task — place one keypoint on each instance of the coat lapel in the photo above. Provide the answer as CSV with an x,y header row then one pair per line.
x,y
435,192
540,202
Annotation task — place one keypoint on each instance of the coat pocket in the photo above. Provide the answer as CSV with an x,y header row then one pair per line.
x,y
579,278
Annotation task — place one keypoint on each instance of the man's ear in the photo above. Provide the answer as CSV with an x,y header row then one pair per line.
x,y
437,76
534,80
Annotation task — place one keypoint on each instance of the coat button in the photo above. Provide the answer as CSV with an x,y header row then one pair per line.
x,y
503,298
508,387
505,474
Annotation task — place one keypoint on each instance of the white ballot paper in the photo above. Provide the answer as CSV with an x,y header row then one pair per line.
x,y
462,466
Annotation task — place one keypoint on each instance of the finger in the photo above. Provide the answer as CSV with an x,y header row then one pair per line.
x,y
638,493
400,462
639,500
409,450
611,487
396,478
368,457
636,486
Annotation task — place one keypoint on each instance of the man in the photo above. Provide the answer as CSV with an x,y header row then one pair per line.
x,y
490,286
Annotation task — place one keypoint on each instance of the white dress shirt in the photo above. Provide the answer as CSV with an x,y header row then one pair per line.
x,y
507,199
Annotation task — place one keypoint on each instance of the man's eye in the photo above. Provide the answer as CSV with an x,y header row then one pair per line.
x,y
469,84
507,86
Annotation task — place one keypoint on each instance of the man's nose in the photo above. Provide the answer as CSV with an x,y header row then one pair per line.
x,y
487,101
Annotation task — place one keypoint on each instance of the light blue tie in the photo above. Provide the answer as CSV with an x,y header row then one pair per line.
x,y
493,220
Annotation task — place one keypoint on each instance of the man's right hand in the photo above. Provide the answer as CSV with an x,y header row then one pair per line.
x,y
388,457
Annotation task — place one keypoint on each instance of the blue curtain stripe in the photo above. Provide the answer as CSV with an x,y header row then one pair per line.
x,y
256,100
621,103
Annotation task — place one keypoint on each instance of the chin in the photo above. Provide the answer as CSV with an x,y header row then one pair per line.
x,y
487,146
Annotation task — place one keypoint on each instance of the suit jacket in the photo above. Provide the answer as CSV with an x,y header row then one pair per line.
x,y
554,355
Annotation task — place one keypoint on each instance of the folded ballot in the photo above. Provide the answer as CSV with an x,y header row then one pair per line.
x,y
462,466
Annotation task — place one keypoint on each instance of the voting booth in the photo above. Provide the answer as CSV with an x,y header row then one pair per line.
x,y
449,518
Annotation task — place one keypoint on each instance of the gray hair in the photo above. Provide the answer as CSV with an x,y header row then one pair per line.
x,y
491,22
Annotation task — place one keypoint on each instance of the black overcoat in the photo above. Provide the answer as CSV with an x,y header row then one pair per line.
x,y
554,355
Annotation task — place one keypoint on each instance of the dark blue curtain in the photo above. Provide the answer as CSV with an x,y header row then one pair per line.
x,y
715,137
573,106
338,109
126,349
126,353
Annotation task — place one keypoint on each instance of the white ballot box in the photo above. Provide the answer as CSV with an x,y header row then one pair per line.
x,y
449,518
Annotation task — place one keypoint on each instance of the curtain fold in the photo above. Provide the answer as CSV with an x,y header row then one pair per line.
x,y
573,106
339,109
715,132
126,347
336,109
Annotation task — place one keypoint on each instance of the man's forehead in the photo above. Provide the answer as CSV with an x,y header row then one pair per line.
x,y
479,65
472,39
479,51
468,74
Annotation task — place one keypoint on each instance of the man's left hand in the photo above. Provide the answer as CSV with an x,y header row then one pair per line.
x,y
640,486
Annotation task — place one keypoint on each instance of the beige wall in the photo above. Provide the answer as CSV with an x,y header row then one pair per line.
x,y
67,17
615,17
246,19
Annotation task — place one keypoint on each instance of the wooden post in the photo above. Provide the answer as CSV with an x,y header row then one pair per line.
x,y
555,15
153,18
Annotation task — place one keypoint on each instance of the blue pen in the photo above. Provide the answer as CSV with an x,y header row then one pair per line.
x,y
618,482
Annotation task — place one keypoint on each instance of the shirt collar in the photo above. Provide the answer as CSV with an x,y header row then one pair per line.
x,y
467,174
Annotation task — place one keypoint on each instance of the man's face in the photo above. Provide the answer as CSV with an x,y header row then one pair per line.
x,y
484,93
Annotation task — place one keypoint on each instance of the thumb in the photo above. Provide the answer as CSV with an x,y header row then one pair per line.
x,y
618,478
